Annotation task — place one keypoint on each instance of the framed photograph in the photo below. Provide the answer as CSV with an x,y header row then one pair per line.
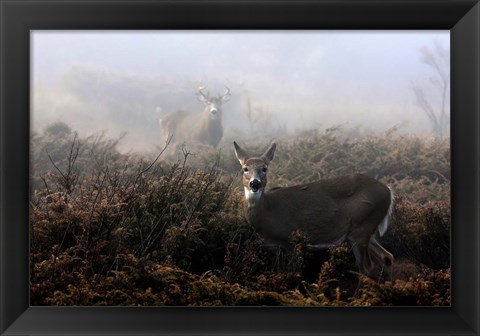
x,y
136,141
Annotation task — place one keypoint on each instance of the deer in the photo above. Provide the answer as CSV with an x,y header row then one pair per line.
x,y
205,128
353,208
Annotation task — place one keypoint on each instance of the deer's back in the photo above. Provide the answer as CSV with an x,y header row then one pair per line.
x,y
175,122
324,209
186,126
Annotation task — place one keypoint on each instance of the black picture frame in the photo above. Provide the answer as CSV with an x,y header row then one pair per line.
x,y
19,17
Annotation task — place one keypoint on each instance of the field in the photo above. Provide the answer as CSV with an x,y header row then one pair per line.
x,y
127,229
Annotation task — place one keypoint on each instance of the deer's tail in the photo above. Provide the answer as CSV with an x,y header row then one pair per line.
x,y
382,228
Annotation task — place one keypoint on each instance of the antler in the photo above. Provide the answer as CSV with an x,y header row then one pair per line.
x,y
226,96
200,92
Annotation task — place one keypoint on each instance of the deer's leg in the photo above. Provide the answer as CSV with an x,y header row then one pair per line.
x,y
278,255
362,258
382,258
359,240
374,261
360,252
364,249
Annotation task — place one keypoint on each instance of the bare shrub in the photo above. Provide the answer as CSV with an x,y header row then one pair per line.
x,y
120,229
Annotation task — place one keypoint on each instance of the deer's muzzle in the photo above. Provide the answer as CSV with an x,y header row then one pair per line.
x,y
255,185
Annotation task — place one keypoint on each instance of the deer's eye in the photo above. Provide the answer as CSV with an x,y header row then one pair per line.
x,y
264,170
245,169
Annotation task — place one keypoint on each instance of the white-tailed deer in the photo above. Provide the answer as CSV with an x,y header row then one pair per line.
x,y
205,128
353,208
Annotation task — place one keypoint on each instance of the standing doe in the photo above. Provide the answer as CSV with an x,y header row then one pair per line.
x,y
205,128
353,208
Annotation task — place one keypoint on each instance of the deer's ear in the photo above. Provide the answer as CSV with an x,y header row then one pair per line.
x,y
268,156
240,154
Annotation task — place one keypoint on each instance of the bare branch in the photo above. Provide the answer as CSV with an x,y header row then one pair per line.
x,y
436,110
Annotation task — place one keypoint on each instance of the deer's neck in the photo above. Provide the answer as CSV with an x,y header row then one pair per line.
x,y
253,199
259,216
254,206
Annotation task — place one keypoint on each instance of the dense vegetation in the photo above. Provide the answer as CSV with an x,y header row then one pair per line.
x,y
122,229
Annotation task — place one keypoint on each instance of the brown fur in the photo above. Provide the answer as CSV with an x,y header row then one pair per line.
x,y
205,128
350,207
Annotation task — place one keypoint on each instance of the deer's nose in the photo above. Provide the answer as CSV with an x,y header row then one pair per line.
x,y
255,185
214,111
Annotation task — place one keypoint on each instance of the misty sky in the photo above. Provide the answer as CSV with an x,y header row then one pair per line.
x,y
304,78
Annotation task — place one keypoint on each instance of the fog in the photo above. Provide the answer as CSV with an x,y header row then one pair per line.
x,y
122,82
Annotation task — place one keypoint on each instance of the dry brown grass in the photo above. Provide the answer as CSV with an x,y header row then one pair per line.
x,y
113,229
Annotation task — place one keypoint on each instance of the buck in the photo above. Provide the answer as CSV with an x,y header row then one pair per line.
x,y
206,128
353,208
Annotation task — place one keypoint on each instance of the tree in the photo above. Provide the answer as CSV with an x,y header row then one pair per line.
x,y
434,99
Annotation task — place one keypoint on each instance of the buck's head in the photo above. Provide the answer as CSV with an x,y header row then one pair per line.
x,y
254,171
213,105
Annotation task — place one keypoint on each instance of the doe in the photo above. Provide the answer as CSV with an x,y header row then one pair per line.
x,y
353,208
